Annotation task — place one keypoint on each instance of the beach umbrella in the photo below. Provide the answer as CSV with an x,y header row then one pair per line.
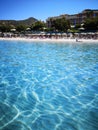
x,y
42,32
28,29
96,32
64,34
53,34
81,28
82,24
48,34
83,33
72,26
89,33
13,30
76,33
58,34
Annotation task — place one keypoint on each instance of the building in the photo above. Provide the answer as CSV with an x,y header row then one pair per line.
x,y
75,18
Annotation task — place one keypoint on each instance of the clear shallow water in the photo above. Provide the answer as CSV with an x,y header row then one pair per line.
x,y
49,86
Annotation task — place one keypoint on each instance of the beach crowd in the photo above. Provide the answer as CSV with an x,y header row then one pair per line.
x,y
43,35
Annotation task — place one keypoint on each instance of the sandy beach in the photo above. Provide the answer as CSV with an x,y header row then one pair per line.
x,y
51,40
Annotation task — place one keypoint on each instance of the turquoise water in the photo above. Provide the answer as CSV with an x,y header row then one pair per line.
x,y
48,86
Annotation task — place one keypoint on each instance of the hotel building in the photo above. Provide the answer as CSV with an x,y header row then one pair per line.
x,y
75,18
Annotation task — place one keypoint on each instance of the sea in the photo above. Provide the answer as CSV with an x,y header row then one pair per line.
x,y
48,85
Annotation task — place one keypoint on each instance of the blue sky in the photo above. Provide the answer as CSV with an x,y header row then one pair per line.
x,y
42,9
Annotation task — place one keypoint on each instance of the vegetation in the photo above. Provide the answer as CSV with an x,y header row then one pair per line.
x,y
58,25
21,28
38,26
77,26
7,25
4,28
26,22
61,24
91,24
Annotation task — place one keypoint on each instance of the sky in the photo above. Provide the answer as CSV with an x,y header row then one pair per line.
x,y
42,9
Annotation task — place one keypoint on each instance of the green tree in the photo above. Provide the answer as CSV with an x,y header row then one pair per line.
x,y
78,26
38,26
91,24
5,28
61,24
21,28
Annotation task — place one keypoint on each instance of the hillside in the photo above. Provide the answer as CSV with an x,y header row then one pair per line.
x,y
26,22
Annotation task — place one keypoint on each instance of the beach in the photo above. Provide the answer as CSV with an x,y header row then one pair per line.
x,y
51,40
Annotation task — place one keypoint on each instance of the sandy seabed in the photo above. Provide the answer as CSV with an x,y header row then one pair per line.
x,y
52,40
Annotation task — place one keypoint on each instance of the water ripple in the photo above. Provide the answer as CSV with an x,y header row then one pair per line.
x,y
48,86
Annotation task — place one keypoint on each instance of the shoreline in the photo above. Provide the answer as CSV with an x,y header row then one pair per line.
x,y
50,40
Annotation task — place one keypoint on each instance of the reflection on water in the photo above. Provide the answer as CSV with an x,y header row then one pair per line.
x,y
48,86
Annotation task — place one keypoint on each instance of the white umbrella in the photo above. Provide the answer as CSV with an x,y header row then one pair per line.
x,y
13,30
81,28
52,33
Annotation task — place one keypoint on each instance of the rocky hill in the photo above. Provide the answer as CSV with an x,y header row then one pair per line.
x,y
26,22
